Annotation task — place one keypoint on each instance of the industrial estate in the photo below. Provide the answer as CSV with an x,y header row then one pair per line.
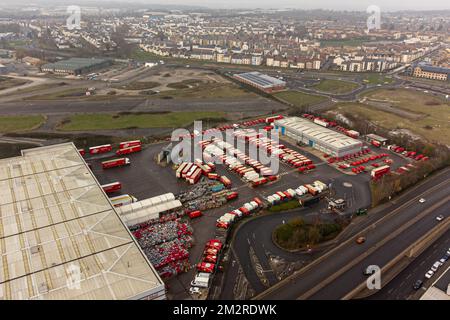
x,y
154,153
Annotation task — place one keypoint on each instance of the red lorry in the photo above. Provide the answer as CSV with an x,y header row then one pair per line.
x,y
129,150
112,187
127,144
115,163
226,182
100,149
195,214
378,172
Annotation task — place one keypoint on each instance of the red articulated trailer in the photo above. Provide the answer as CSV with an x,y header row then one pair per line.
x,y
115,163
129,150
232,195
226,182
378,172
195,214
272,119
112,187
100,149
127,144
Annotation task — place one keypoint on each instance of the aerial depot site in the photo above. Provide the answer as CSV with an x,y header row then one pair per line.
x,y
195,153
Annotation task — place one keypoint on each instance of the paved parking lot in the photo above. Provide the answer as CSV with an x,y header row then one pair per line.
x,y
144,178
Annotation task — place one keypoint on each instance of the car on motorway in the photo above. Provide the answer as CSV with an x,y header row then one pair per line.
x,y
440,217
422,200
435,266
360,240
429,274
417,285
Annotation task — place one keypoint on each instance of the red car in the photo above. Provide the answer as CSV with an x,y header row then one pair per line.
x,y
210,259
214,244
206,267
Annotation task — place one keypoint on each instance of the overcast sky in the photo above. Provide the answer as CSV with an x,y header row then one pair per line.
x,y
360,5
387,5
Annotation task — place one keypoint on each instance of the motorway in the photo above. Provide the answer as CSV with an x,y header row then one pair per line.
x,y
401,287
341,268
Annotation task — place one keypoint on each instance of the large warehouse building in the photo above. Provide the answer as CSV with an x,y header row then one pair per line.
x,y
318,137
261,81
61,238
76,66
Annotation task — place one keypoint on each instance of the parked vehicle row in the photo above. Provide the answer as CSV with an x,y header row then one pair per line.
x,y
301,193
226,220
435,267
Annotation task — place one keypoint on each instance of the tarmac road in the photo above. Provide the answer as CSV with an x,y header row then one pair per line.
x,y
407,207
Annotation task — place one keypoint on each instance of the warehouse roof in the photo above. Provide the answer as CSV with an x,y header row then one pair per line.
x,y
317,132
435,69
74,63
55,220
260,79
376,137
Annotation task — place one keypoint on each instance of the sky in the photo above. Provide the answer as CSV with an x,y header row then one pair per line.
x,y
388,5
338,5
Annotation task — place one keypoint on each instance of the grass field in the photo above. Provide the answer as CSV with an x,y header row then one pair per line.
x,y
20,123
6,82
296,234
292,204
139,85
335,86
206,91
88,122
434,126
299,99
63,94
377,79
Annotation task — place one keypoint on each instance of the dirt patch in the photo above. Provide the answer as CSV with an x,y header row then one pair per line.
x,y
388,107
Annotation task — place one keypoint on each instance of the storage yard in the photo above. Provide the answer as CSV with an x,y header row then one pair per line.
x,y
181,214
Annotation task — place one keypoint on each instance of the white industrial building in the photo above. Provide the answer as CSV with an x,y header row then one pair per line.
x,y
148,209
60,236
328,141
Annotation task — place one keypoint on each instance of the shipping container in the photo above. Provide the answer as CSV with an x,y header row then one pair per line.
x,y
100,149
195,214
378,172
129,150
225,181
112,187
115,163
122,200
127,144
